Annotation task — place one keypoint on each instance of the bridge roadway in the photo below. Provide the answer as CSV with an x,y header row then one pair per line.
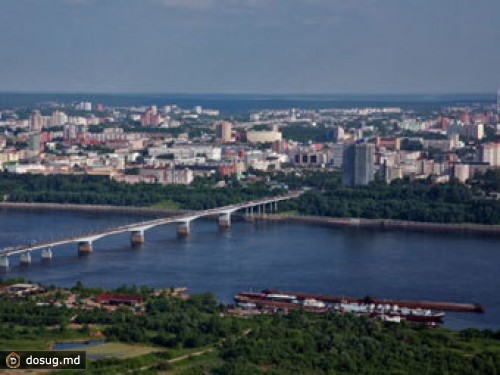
x,y
137,230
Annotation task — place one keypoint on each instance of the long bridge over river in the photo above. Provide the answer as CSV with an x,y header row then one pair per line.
x,y
85,241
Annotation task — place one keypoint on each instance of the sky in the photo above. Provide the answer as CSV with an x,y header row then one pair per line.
x,y
250,46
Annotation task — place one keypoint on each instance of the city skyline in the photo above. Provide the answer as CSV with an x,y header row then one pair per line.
x,y
249,47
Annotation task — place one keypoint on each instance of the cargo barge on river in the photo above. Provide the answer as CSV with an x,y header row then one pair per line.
x,y
393,310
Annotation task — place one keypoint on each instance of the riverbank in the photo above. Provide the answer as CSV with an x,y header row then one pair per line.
x,y
90,208
320,220
387,224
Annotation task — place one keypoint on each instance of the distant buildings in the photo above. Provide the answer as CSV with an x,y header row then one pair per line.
x,y
490,153
36,121
389,143
223,131
168,175
358,164
151,117
84,106
336,134
58,118
264,136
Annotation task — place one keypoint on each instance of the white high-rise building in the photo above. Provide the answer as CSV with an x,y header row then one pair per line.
x,y
490,153
58,118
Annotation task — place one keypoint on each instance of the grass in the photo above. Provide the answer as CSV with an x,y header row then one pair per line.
x,y
195,365
117,350
20,340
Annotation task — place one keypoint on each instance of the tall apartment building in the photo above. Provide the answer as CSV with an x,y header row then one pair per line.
x,y
358,164
490,153
36,121
151,117
223,131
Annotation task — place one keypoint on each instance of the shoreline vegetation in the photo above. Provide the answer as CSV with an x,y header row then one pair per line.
x,y
155,331
292,217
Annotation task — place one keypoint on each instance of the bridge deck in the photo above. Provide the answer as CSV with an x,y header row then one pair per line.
x,y
92,236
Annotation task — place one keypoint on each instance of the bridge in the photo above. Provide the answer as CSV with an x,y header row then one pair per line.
x,y
85,241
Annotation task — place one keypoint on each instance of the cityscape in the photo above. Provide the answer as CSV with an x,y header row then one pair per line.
x,y
249,187
173,145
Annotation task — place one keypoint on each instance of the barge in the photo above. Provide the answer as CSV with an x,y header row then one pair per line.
x,y
271,300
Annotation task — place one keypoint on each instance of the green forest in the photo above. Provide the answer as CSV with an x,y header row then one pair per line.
x,y
417,200
403,199
293,343
84,189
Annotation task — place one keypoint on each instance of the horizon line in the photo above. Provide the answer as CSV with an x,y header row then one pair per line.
x,y
141,93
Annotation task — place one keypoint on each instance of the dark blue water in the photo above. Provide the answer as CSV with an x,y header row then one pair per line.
x,y
234,104
76,344
254,256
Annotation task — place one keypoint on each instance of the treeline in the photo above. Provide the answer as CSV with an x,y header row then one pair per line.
x,y
417,200
168,322
26,313
84,189
304,132
293,343
301,343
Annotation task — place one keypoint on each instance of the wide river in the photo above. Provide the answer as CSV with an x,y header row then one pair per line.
x,y
254,256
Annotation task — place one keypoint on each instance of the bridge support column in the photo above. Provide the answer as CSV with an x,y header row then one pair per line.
x,y
26,258
4,262
184,229
249,214
47,254
85,247
225,221
137,237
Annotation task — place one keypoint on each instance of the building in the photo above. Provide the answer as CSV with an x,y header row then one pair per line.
x,y
264,136
84,106
151,117
223,131
34,142
490,153
58,118
358,164
389,143
168,175
474,131
336,134
337,155
36,121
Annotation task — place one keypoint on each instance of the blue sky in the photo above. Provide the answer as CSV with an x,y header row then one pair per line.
x,y
250,46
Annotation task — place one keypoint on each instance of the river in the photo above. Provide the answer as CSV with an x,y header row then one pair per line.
x,y
254,256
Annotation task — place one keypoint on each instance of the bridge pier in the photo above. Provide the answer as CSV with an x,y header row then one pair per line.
x,y
225,221
137,237
183,229
85,247
26,258
47,254
249,214
4,261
